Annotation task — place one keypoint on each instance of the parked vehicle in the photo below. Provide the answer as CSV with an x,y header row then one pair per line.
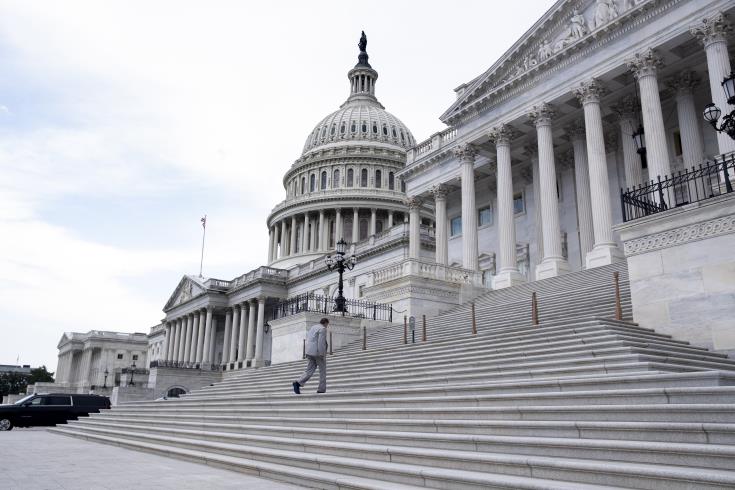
x,y
50,409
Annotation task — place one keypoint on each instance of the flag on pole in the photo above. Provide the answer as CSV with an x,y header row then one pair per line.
x,y
204,221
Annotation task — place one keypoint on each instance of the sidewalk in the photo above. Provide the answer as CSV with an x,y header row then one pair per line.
x,y
34,459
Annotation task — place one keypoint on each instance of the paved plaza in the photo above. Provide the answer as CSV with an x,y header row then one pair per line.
x,y
34,459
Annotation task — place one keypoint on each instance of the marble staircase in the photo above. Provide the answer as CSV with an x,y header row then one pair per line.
x,y
579,401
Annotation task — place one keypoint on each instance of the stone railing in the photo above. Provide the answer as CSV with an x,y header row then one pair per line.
x,y
436,142
263,272
429,270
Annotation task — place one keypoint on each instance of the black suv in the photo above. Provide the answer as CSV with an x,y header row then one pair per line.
x,y
49,409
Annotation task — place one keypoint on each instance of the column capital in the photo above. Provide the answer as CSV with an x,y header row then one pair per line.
x,y
712,30
465,152
683,83
575,131
590,92
542,114
627,107
645,64
413,203
439,191
501,135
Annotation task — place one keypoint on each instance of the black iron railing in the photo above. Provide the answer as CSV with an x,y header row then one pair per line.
x,y
183,365
321,304
685,187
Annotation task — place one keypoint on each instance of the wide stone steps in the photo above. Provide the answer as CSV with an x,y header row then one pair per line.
x,y
585,461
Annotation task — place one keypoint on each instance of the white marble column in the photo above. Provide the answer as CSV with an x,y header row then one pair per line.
x,y
531,152
508,274
167,349
576,134
231,348
213,341
338,225
465,153
440,192
605,250
322,232
305,245
85,365
194,336
313,238
390,219
627,110
276,240
243,336
200,336
414,227
554,263
206,358
258,360
228,333
645,67
189,335
292,237
355,225
175,340
373,221
692,148
270,245
713,33
284,235
182,339
250,351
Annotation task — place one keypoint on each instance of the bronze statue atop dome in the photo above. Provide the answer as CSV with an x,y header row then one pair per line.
x,y
363,42
362,58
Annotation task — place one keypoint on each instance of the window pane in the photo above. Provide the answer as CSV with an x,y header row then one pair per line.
x,y
456,226
486,216
378,179
350,177
335,180
364,177
391,181
518,204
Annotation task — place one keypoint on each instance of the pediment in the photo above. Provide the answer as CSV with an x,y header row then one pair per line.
x,y
561,30
187,289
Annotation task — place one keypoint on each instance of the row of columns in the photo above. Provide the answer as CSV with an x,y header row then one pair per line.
x,y
190,339
597,241
314,234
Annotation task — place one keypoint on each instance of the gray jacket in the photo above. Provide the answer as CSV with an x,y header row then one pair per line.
x,y
316,341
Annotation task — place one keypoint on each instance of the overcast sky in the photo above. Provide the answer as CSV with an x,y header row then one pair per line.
x,y
122,123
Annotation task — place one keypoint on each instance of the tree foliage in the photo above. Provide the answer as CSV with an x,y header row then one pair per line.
x,y
41,375
13,383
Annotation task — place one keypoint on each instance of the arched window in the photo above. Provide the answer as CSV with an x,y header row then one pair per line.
x,y
364,127
324,132
312,183
332,131
353,128
303,184
364,177
403,186
378,179
350,177
324,180
402,138
342,129
391,181
335,179
363,229
394,132
375,128
385,130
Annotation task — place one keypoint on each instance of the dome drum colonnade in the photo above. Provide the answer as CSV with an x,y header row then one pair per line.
x,y
345,183
591,142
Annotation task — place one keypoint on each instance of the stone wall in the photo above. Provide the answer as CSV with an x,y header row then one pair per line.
x,y
162,379
682,272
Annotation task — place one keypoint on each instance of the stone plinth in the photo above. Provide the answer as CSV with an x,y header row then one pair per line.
x,y
682,272
124,394
162,379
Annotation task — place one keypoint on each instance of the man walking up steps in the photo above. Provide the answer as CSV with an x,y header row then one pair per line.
x,y
316,353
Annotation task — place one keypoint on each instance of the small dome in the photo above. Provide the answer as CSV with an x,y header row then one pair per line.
x,y
360,121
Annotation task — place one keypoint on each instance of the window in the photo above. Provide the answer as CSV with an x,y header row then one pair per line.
x,y
342,129
378,226
353,128
303,184
375,128
403,186
485,216
385,130
363,229
119,356
677,143
394,132
350,177
324,132
333,130
391,181
324,180
378,179
335,179
312,183
57,400
364,127
402,138
455,226
361,291
135,357
519,205
364,177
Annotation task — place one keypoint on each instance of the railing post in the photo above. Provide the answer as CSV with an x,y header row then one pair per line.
x,y
726,175
364,338
618,307
405,329
622,203
303,355
330,343
474,322
375,309
534,309
423,334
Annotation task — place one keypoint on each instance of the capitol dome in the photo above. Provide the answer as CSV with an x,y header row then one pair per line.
x,y
345,184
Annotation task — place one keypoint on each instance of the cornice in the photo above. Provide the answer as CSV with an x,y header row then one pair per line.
x,y
318,202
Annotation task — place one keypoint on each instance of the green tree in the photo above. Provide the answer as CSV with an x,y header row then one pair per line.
x,y
12,383
40,375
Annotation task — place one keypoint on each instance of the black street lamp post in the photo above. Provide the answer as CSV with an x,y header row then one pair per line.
x,y
132,373
107,373
712,113
340,262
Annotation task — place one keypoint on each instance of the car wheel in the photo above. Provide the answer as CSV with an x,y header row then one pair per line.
x,y
6,424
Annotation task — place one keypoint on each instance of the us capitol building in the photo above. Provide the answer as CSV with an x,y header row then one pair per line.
x,y
523,184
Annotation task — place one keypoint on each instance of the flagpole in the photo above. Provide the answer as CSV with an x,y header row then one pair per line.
x,y
204,233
